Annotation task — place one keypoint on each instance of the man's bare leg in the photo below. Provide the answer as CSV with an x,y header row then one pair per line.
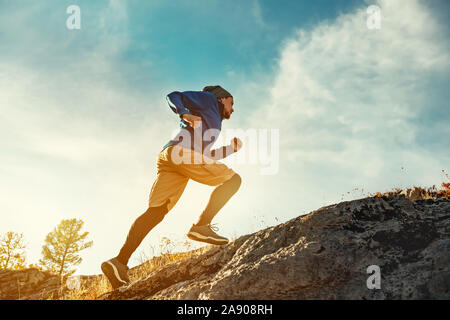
x,y
219,197
140,228
116,269
202,231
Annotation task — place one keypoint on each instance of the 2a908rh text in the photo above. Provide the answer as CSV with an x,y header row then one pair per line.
x,y
261,309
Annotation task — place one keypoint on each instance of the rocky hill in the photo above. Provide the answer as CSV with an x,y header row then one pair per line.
x,y
322,255
27,284
34,284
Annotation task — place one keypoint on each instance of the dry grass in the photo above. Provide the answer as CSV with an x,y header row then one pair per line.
x,y
423,193
91,287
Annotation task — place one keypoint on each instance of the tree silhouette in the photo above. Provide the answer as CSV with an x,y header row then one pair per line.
x,y
12,251
62,246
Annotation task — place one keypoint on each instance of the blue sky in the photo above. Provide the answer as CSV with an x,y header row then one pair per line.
x,y
84,115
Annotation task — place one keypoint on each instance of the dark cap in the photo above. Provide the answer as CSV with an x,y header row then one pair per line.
x,y
217,91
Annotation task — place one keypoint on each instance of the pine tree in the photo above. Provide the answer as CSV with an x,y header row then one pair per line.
x,y
12,251
62,246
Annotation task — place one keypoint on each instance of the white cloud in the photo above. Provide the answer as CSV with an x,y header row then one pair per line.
x,y
257,13
74,140
350,96
348,102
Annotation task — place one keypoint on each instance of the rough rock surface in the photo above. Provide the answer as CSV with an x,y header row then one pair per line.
x,y
322,255
34,284
28,284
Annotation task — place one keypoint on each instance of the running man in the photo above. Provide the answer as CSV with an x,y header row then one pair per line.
x,y
187,156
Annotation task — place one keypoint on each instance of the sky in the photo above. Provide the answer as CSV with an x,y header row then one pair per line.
x,y
83,113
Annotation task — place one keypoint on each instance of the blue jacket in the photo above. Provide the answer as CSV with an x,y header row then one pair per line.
x,y
199,103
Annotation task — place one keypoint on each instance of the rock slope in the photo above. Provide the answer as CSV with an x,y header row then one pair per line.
x,y
322,255
28,284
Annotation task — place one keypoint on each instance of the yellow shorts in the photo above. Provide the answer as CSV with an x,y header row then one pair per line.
x,y
176,165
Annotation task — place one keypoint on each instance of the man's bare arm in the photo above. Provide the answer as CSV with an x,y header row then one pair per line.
x,y
194,121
